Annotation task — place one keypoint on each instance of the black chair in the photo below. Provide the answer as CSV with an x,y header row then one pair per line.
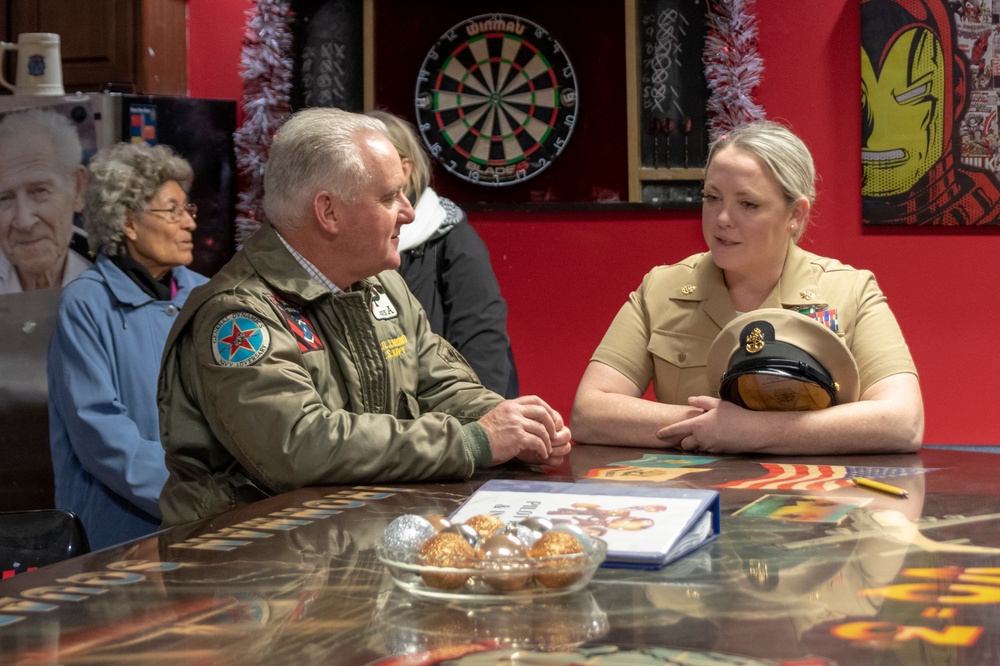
x,y
33,539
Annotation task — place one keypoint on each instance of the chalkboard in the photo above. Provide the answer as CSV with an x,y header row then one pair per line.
x,y
329,54
672,88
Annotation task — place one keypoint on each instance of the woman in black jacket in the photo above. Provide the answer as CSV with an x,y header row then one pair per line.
x,y
447,267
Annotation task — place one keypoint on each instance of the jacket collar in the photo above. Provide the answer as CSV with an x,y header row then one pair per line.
x,y
126,291
121,286
276,266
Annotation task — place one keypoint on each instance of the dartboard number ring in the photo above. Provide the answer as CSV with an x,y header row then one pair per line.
x,y
496,100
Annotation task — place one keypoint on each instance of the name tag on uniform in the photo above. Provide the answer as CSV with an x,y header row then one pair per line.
x,y
382,307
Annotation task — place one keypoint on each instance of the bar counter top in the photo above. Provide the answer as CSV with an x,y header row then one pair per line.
x,y
294,579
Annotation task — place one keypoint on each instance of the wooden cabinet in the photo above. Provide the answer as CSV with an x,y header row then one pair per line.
x,y
135,45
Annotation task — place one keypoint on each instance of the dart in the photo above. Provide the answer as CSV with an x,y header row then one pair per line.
x,y
654,126
687,131
669,130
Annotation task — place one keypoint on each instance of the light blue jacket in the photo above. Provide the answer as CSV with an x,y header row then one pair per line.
x,y
103,364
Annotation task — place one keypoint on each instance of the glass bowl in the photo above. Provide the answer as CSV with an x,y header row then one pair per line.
x,y
409,625
494,581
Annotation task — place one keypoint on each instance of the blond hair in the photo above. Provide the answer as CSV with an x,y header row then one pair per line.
x,y
408,144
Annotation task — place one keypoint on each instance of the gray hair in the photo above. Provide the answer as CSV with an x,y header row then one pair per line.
x,y
59,130
782,152
123,178
408,144
316,149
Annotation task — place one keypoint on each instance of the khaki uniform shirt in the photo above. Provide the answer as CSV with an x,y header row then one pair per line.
x,y
664,331
270,382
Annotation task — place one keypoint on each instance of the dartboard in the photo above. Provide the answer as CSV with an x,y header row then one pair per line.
x,y
496,99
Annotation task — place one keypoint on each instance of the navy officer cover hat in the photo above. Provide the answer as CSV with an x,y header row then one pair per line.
x,y
780,360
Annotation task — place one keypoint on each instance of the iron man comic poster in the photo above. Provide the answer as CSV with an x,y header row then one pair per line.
x,y
929,77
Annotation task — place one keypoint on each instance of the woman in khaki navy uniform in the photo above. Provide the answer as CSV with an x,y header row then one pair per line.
x,y
759,187
307,361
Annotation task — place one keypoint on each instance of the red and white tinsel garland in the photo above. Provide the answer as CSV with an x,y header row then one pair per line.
x,y
732,65
266,69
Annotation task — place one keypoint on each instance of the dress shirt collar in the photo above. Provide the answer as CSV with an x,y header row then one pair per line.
x,y
309,267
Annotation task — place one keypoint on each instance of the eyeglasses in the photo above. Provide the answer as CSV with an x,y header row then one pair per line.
x,y
176,212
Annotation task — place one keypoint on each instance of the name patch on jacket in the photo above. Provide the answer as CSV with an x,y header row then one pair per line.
x,y
382,306
239,339
394,347
300,326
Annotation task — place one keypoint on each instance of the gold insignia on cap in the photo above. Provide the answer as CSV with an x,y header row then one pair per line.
x,y
808,295
755,341
688,289
836,386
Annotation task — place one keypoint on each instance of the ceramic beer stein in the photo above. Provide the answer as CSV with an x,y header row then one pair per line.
x,y
39,64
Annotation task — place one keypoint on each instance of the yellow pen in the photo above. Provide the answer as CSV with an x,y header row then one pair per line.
x,y
877,485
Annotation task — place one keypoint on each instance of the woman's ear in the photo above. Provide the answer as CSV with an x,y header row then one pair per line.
x,y
129,228
800,213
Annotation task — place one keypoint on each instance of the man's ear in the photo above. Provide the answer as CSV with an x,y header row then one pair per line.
x,y
79,180
327,211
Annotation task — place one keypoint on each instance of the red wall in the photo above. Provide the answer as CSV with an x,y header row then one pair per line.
x,y
215,42
566,274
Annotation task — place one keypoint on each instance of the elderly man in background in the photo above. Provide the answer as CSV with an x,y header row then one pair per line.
x,y
307,361
41,187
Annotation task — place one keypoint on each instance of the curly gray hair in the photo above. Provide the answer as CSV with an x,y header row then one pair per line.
x,y
123,178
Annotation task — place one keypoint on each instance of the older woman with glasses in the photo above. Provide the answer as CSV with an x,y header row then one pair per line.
x,y
113,321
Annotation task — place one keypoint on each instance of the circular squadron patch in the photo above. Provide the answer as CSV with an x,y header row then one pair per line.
x,y
239,339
